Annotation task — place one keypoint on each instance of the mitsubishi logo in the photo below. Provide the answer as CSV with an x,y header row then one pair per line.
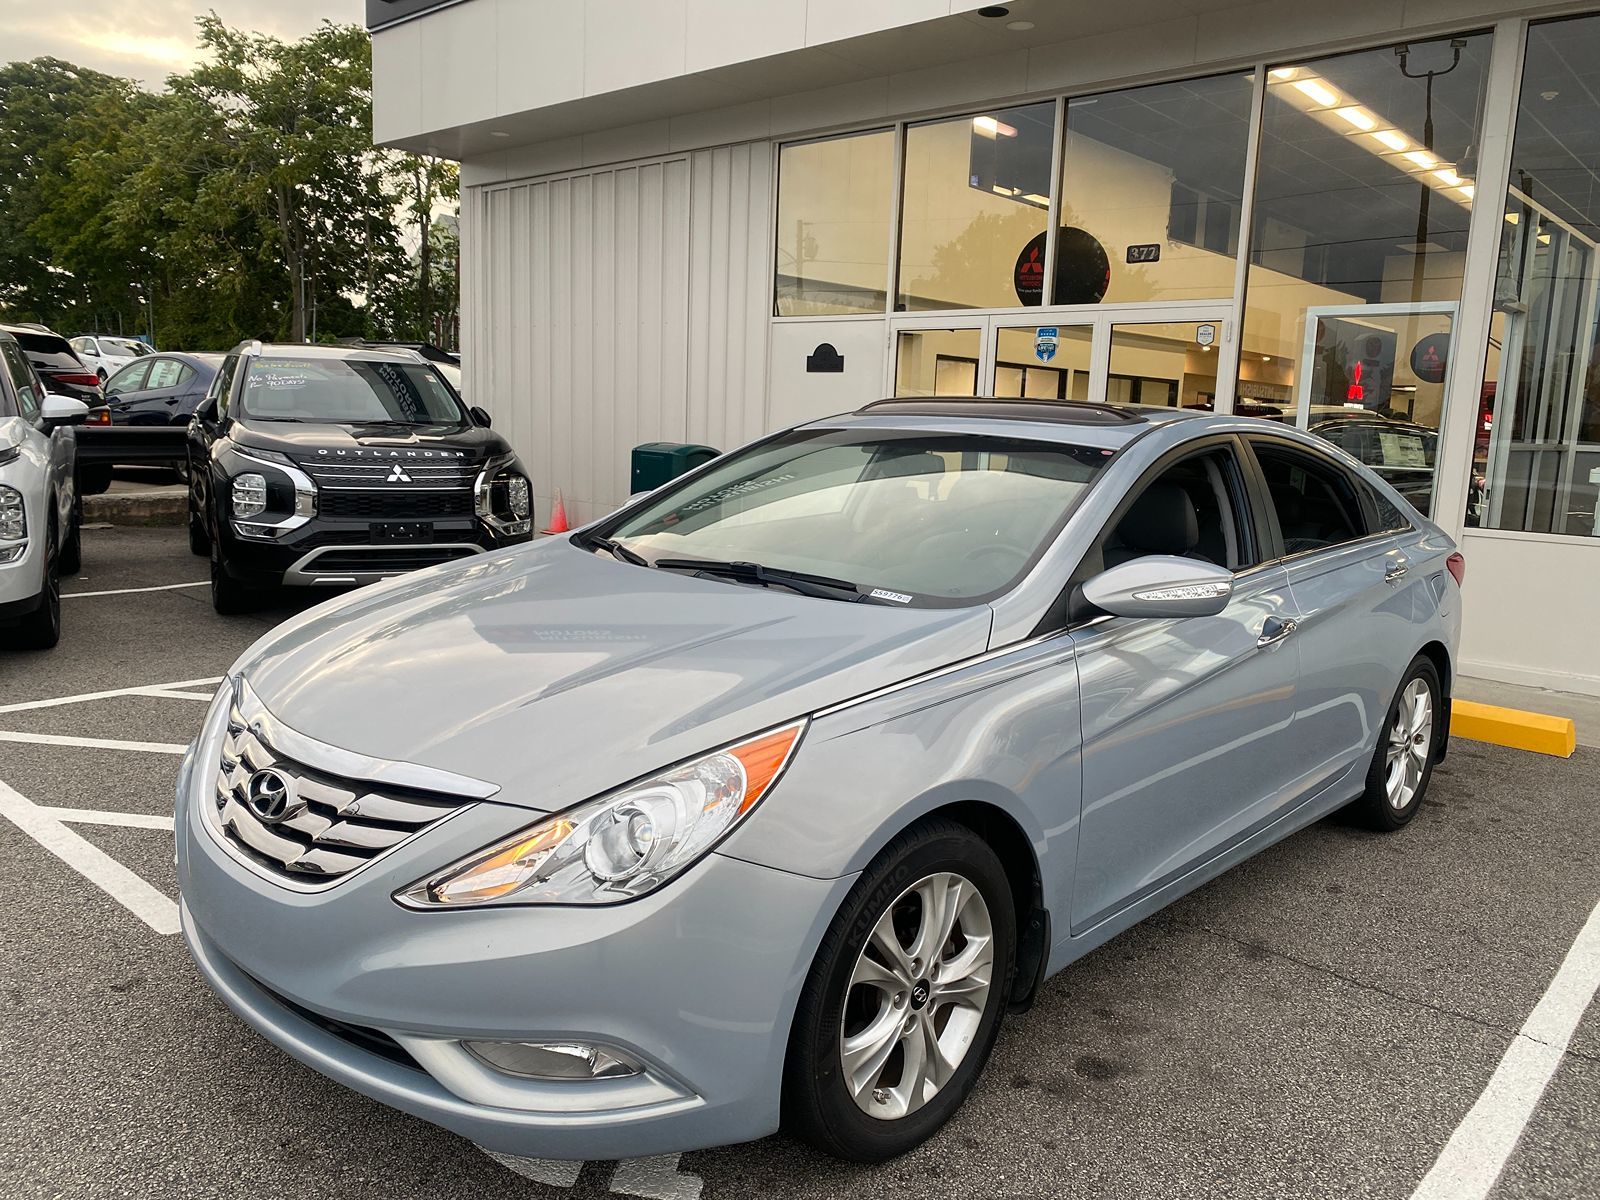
x,y
397,474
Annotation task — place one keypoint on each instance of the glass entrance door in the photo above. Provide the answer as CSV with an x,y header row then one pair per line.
x,y
1174,356
1373,380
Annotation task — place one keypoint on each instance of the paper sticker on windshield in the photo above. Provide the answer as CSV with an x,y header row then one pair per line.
x,y
897,597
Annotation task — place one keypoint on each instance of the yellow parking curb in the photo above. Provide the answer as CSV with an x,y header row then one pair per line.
x,y
1538,732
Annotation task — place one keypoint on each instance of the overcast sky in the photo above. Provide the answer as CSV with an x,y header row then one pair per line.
x,y
148,40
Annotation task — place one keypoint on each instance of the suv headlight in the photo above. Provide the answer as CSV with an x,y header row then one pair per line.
x,y
620,846
503,498
249,494
13,520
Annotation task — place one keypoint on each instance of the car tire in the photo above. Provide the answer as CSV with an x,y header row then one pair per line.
x,y
71,558
229,597
41,629
199,538
94,480
888,1007
1408,742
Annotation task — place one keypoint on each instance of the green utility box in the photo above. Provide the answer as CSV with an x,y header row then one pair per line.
x,y
656,462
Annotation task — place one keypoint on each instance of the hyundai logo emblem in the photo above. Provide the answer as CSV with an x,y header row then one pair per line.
x,y
271,796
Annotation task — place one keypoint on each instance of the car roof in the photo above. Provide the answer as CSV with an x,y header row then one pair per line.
x,y
330,353
1075,421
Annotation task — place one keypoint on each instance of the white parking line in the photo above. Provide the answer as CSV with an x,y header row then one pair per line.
x,y
99,868
165,587
95,816
61,739
148,689
1477,1151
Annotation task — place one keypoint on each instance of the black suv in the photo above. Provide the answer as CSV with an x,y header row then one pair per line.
x,y
333,466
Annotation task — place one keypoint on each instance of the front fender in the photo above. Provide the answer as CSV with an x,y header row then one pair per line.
x,y
1003,732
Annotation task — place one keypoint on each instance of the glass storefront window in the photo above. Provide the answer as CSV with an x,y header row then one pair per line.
x,y
1364,191
975,203
1155,176
1171,365
834,200
1537,452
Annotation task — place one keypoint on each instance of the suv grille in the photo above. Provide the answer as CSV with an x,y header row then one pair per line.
x,y
397,503
327,826
397,474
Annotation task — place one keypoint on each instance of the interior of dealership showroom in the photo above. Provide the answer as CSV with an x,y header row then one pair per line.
x,y
1387,235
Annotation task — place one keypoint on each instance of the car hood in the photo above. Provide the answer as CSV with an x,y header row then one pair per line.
x,y
558,674
311,440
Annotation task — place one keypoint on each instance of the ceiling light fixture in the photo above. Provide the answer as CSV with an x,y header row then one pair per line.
x,y
1318,92
498,133
990,127
994,11
1359,117
1448,177
1392,138
1284,72
1425,159
1019,26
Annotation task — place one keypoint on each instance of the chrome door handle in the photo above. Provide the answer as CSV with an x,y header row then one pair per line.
x,y
1276,629
1395,571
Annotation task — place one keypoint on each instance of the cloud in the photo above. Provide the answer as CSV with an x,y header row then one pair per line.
x,y
150,39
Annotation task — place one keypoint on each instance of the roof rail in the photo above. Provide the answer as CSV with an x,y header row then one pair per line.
x,y
1013,407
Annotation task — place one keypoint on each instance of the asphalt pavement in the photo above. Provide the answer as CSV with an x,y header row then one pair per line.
x,y
1318,1022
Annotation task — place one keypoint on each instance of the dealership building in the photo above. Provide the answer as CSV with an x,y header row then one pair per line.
x,y
702,220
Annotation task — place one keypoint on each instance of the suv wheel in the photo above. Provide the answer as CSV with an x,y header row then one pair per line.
x,y
41,629
904,1000
199,538
72,548
228,596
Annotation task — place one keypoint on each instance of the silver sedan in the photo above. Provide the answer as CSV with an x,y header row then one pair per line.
x,y
763,800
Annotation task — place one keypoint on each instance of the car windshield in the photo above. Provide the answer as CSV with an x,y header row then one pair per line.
x,y
348,392
903,518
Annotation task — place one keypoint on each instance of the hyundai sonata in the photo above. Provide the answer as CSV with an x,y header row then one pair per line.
x,y
763,800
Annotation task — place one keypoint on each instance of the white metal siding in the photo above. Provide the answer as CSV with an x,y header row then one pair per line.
x,y
619,306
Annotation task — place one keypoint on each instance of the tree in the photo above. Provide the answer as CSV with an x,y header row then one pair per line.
x,y
296,124
424,185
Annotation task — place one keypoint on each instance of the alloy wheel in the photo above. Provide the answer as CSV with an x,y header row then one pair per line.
x,y
916,996
1410,742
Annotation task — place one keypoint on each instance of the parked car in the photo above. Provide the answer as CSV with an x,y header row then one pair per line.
x,y
338,466
105,355
40,516
62,374
766,797
151,401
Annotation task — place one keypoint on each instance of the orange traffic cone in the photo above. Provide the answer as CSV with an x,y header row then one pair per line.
x,y
558,516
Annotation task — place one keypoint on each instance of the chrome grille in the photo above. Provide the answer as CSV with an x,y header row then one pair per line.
x,y
414,473
333,825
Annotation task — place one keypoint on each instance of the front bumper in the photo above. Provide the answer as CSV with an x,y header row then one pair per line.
x,y
341,553
697,981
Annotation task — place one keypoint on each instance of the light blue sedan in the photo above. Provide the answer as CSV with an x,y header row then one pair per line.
x,y
763,800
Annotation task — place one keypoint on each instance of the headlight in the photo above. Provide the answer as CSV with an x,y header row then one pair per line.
x,y
622,845
13,521
503,498
249,495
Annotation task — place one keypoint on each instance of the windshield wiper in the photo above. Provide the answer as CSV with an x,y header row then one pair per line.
x,y
821,586
617,550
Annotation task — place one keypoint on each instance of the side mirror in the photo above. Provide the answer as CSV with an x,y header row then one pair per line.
x,y
206,411
63,410
1161,585
481,416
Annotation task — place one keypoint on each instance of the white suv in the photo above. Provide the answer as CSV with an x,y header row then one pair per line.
x,y
39,510
107,355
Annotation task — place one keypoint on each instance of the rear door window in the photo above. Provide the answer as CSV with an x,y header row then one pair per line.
x,y
166,373
130,379
1317,502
